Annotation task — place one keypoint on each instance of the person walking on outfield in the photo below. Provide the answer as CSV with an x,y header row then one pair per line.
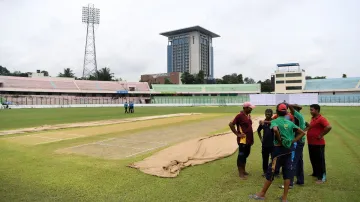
x,y
317,129
267,140
298,163
126,107
131,108
245,136
283,146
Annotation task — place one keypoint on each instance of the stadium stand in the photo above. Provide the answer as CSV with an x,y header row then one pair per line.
x,y
337,90
68,91
331,84
203,94
343,98
54,84
198,100
68,100
207,88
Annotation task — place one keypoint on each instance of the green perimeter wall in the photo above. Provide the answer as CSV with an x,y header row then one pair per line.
x,y
199,99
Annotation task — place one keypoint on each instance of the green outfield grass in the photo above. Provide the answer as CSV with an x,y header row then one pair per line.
x,y
36,173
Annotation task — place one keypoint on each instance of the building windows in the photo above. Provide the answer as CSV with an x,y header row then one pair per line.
x,y
293,81
279,82
293,75
293,87
280,75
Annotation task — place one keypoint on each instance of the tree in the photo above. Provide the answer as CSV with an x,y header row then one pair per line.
x,y
266,85
45,73
104,74
67,73
344,76
167,81
240,78
248,80
231,79
200,77
4,71
218,81
187,78
20,74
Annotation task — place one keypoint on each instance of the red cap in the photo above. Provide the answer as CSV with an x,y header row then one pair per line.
x,y
248,104
282,107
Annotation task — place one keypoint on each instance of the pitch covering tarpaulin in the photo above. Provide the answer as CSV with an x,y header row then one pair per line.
x,y
170,161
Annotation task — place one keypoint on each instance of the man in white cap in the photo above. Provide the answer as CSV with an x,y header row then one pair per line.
x,y
245,136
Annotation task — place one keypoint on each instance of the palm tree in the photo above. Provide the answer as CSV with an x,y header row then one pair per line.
x,y
104,74
67,73
46,73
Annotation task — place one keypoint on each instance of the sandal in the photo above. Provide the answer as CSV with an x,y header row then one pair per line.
x,y
282,199
256,197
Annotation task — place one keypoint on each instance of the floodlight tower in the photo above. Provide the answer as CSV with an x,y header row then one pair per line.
x,y
91,17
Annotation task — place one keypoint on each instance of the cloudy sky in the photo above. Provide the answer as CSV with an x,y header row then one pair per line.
x,y
322,35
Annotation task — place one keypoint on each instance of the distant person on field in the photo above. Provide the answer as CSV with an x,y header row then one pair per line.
x,y
267,140
298,162
245,136
318,128
131,107
126,107
283,146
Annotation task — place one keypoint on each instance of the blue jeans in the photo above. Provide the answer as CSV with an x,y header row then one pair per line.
x,y
298,164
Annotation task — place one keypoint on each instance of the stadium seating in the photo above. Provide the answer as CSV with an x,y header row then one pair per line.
x,y
67,100
221,100
343,98
232,87
25,83
207,88
331,84
66,85
50,83
177,88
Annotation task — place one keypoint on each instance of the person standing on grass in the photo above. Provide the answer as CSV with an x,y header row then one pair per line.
x,y
126,107
267,140
245,136
283,146
298,162
131,108
317,129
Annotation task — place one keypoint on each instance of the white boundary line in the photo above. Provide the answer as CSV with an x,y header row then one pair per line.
x,y
88,143
143,151
51,138
111,145
57,140
135,141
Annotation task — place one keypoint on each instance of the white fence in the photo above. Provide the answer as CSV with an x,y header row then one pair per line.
x,y
256,99
274,99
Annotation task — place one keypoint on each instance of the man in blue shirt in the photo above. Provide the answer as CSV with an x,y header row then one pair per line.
x,y
131,107
267,140
126,107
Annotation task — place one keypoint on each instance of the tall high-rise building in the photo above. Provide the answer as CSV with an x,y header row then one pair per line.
x,y
190,50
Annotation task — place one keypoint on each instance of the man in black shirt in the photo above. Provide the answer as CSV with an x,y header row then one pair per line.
x,y
267,139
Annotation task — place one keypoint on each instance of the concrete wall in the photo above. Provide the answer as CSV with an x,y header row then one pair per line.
x,y
194,52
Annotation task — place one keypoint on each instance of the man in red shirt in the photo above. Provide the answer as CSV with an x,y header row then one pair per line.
x,y
245,136
317,129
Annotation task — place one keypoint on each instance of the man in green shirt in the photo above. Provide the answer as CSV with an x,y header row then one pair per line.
x,y
283,146
298,162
